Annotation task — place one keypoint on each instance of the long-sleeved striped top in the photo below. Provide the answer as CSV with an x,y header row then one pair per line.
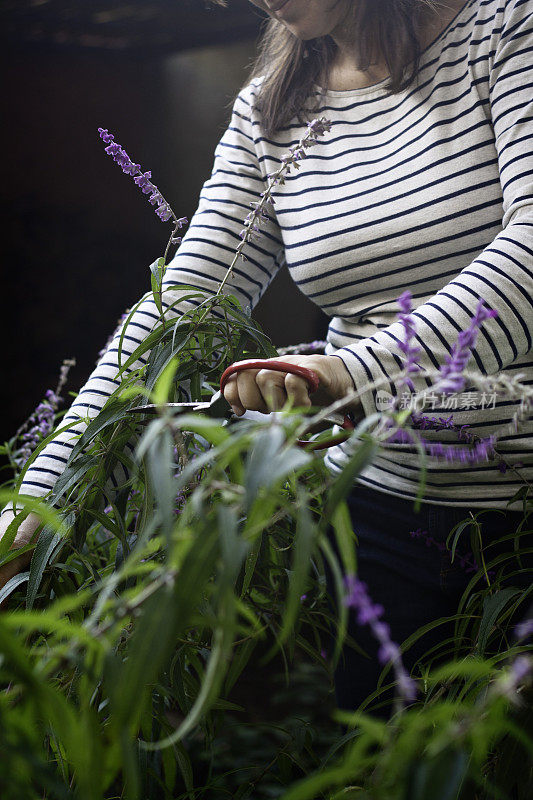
x,y
429,190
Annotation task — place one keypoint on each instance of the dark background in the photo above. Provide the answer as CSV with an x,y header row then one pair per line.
x,y
78,236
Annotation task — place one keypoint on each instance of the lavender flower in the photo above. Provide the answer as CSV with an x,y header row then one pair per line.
x,y
258,215
524,629
474,453
142,179
451,377
179,502
39,425
296,153
410,352
318,346
481,451
508,683
368,613
424,422
464,562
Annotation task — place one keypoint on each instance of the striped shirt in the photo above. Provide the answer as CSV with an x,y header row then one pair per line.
x,y
429,190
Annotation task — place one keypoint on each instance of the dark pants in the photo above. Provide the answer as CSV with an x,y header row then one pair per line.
x,y
411,578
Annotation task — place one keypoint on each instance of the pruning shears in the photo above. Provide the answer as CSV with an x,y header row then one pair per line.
x,y
218,408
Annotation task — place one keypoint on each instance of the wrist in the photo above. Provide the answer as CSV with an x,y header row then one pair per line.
x,y
345,381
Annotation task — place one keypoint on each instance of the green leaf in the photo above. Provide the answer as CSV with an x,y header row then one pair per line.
x,y
345,537
439,778
233,551
48,515
156,280
159,461
157,268
513,774
164,382
48,539
342,620
124,327
233,548
76,469
492,606
456,533
165,615
250,565
239,661
12,584
9,536
185,766
269,461
113,411
304,540
344,482
312,787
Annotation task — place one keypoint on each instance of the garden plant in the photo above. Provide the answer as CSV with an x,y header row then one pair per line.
x,y
171,591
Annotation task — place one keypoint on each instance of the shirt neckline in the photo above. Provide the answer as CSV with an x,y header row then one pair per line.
x,y
381,86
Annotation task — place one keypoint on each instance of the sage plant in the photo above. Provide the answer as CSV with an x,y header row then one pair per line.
x,y
369,613
315,128
41,422
144,605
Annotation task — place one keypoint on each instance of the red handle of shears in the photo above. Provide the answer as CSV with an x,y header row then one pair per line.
x,y
313,382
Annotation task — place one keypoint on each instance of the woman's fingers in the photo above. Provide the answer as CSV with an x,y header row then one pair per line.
x,y
250,396
272,387
265,390
231,393
297,390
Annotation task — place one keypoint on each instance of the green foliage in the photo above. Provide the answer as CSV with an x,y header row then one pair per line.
x,y
150,606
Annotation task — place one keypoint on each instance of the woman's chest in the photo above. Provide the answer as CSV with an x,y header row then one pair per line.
x,y
393,184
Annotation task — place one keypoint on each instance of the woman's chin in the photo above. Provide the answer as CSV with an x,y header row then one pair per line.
x,y
303,32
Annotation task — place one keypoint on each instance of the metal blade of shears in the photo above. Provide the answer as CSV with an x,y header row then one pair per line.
x,y
217,407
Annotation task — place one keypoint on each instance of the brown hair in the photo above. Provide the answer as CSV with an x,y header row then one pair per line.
x,y
386,29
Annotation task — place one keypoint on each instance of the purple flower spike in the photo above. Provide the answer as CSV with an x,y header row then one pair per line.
x,y
40,424
105,135
142,179
318,127
451,375
144,183
164,212
521,668
367,614
297,153
464,563
524,629
409,326
520,671
482,450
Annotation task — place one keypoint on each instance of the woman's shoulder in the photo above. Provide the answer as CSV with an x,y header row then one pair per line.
x,y
479,28
249,94
494,13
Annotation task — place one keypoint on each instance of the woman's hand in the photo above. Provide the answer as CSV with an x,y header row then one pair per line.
x,y
265,390
23,537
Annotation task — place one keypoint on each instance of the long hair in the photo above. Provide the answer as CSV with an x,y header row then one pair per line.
x,y
384,29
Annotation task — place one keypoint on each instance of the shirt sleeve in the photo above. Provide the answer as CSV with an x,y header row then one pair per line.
x,y
202,260
503,272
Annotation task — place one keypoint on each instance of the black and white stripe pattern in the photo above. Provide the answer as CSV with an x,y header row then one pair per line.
x,y
429,190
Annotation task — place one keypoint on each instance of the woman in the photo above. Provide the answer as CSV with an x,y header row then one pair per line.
x,y
423,183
